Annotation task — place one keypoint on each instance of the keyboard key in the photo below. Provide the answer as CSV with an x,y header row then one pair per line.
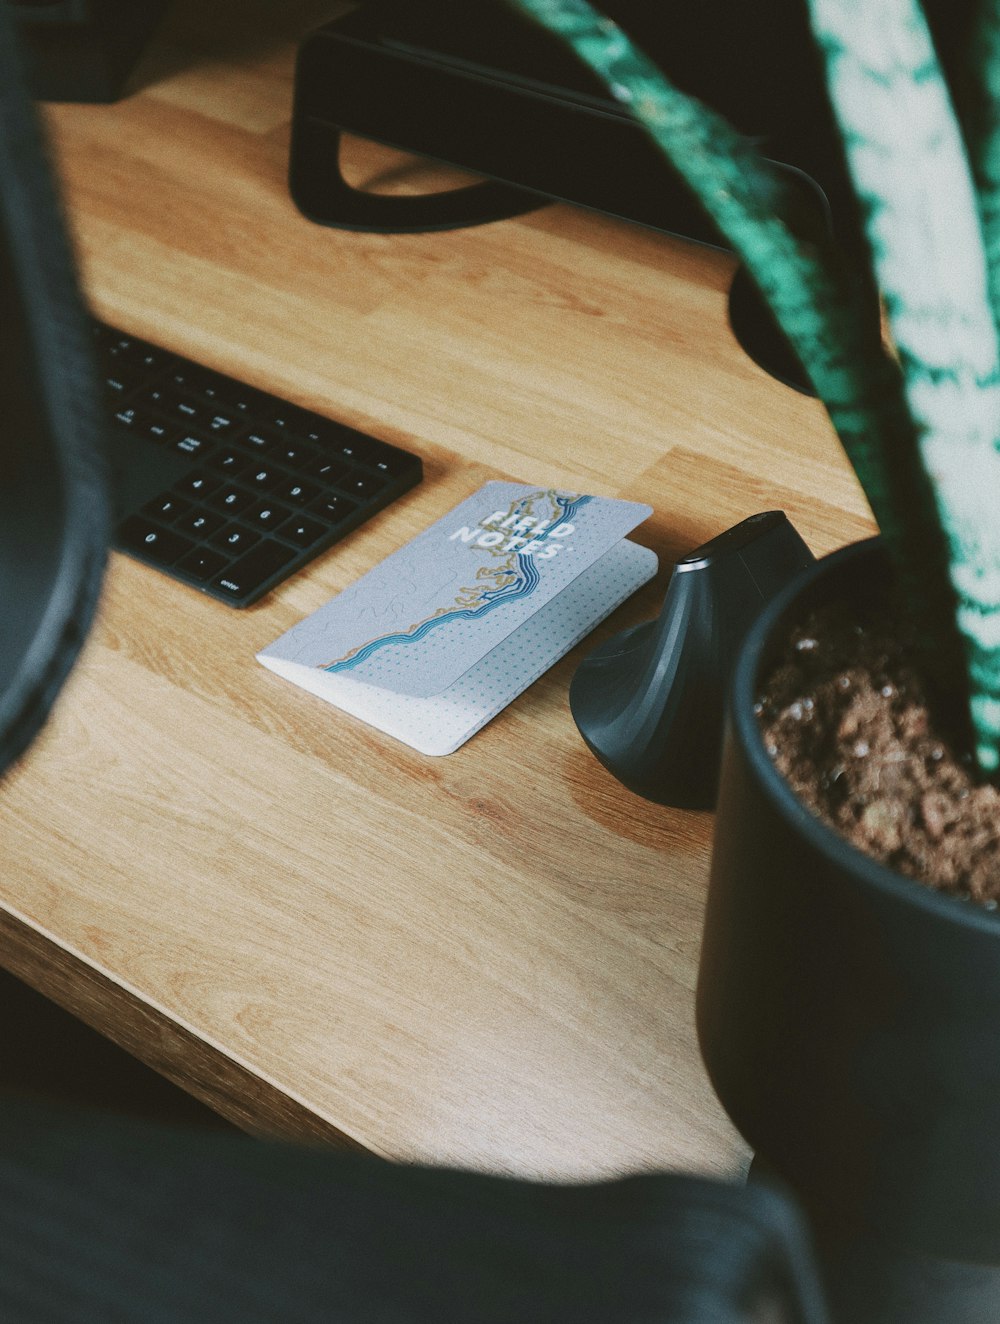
x,y
119,382
190,377
267,515
262,478
156,397
277,413
235,539
202,563
229,462
230,500
324,432
189,409
258,440
166,508
332,508
137,354
297,492
394,463
303,532
150,358
161,545
156,429
198,484
254,569
296,454
328,468
357,448
190,443
362,486
201,523
220,424
236,395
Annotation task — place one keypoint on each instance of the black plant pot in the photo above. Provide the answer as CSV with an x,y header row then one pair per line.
x,y
849,1019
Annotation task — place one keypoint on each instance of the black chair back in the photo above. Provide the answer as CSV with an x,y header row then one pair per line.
x,y
53,499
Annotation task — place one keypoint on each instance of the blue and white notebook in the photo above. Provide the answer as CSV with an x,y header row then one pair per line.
x,y
448,630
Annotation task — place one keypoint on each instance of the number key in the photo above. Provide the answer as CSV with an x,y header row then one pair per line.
x,y
198,484
263,479
267,515
161,545
235,538
299,493
201,523
230,500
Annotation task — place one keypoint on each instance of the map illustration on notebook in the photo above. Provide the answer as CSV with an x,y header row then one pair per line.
x,y
445,632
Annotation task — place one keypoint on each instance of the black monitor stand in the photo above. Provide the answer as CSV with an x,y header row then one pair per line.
x,y
508,102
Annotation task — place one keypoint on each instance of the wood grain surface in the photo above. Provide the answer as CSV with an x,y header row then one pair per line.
x,y
487,959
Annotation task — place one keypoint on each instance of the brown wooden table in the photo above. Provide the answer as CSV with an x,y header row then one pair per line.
x,y
487,959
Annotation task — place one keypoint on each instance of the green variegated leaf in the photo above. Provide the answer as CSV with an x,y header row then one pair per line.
x,y
981,85
826,316
824,310
907,158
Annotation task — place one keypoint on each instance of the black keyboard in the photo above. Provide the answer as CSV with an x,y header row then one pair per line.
x,y
225,487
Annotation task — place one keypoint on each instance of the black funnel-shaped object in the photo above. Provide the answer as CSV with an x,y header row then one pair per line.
x,y
649,702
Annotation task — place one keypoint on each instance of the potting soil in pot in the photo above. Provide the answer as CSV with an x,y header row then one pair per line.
x,y
844,718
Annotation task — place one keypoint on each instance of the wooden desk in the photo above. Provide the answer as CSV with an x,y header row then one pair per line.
x,y
487,959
